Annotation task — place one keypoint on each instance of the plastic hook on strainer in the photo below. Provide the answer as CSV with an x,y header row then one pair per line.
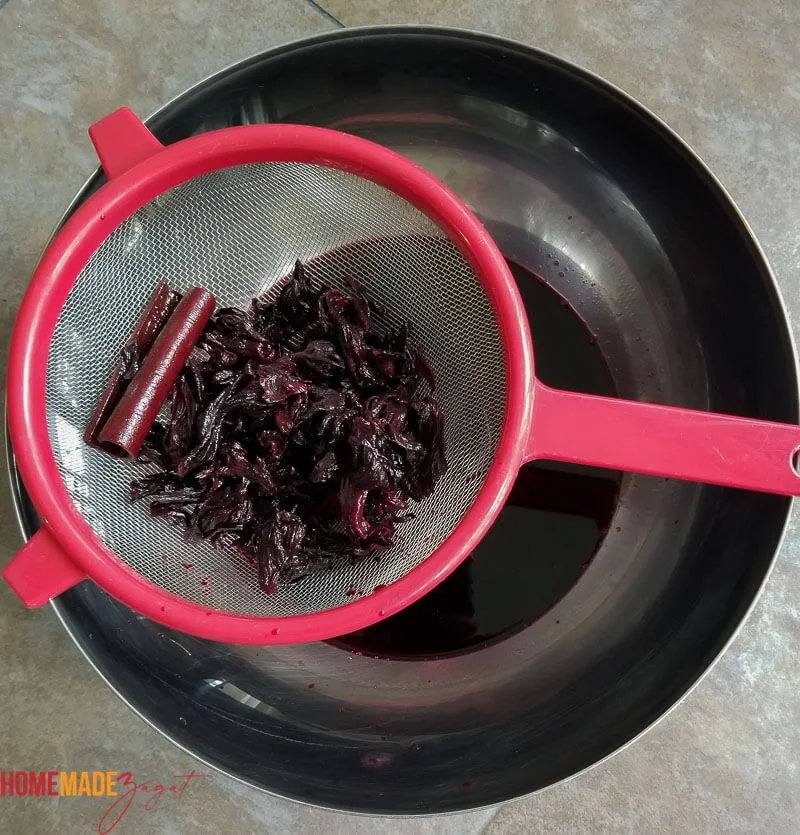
x,y
231,210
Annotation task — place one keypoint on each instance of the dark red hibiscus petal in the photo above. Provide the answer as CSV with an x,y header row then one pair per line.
x,y
300,431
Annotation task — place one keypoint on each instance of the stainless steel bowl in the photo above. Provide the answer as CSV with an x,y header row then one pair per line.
x,y
585,189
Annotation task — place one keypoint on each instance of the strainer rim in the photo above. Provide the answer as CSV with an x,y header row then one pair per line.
x,y
100,215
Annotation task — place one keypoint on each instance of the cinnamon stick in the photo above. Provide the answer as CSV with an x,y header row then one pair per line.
x,y
161,304
133,416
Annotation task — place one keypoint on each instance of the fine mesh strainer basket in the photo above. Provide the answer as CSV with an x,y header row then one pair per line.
x,y
231,211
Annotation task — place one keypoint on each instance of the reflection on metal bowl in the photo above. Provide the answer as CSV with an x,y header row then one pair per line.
x,y
543,661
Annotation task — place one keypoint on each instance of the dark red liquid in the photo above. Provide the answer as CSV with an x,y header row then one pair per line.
x,y
543,538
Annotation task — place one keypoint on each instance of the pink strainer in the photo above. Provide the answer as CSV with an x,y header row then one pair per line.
x,y
230,211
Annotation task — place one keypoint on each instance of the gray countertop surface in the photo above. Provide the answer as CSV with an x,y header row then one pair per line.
x,y
725,75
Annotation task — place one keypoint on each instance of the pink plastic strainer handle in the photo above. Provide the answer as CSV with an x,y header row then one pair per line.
x,y
664,441
121,141
41,570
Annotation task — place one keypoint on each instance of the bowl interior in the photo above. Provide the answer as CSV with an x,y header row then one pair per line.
x,y
582,189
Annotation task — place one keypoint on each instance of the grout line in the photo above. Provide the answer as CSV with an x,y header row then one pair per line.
x,y
485,828
314,5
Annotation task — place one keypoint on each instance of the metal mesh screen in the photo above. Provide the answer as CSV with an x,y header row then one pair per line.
x,y
237,232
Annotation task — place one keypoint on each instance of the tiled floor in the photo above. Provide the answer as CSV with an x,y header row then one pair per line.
x,y
725,75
